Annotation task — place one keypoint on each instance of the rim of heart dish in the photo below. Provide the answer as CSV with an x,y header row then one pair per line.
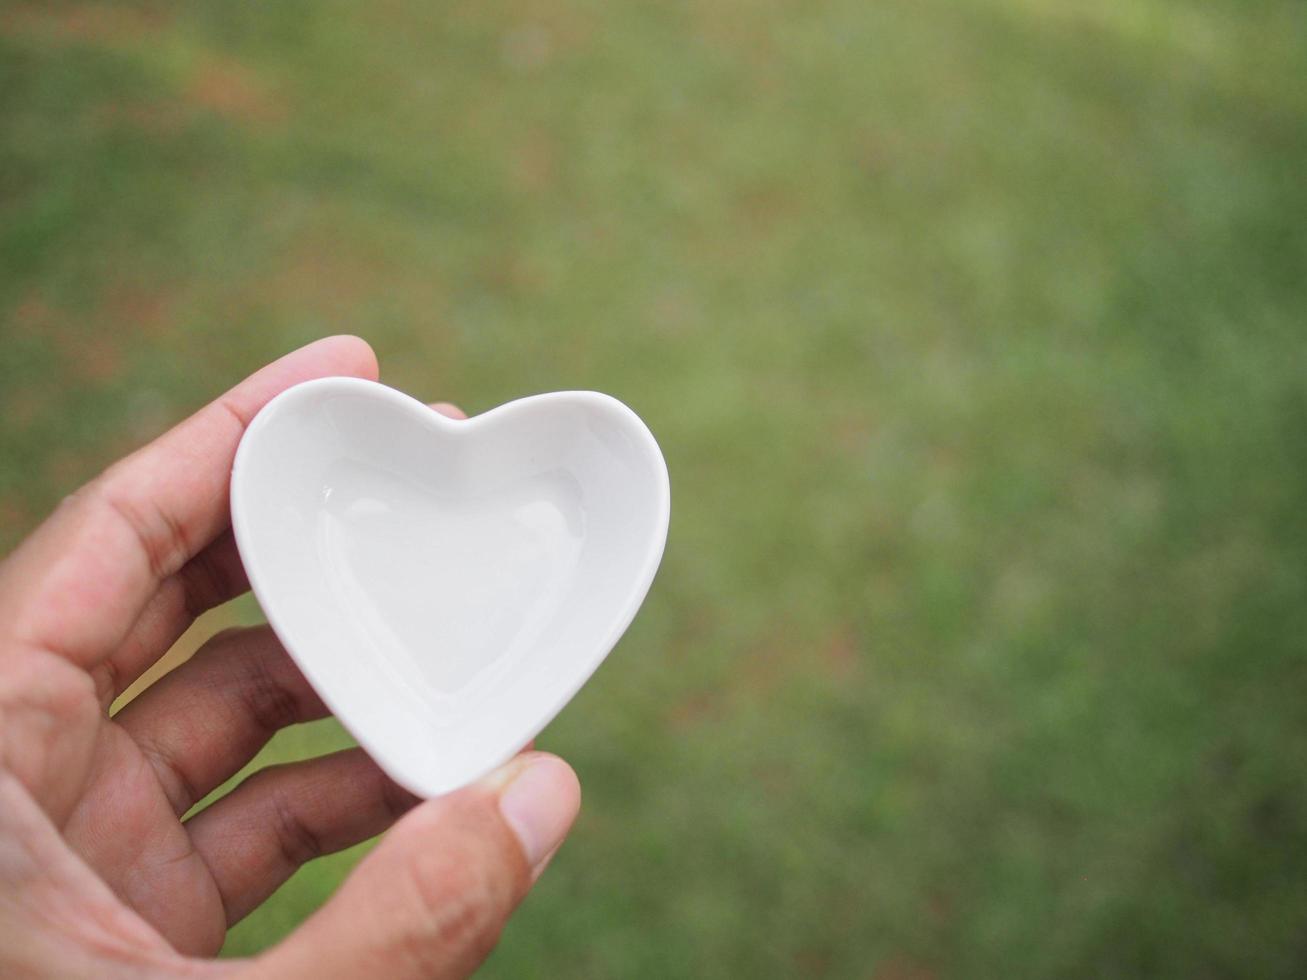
x,y
458,428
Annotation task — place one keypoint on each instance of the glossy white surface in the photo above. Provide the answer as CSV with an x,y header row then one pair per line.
x,y
447,586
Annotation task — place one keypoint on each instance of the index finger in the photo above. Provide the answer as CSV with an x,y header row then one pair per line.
x,y
78,584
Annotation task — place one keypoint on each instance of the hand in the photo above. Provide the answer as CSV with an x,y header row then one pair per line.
x,y
100,875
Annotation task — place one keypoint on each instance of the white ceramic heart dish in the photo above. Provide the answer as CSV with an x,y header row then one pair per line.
x,y
447,586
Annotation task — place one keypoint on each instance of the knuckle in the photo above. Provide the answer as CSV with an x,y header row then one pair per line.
x,y
162,539
462,902
297,841
269,702
262,686
205,583
178,786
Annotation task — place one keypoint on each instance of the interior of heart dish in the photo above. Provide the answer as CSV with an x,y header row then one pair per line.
x,y
482,574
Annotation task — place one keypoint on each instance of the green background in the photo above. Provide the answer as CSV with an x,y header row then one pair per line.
x,y
975,334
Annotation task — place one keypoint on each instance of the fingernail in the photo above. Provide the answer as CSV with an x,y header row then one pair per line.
x,y
539,804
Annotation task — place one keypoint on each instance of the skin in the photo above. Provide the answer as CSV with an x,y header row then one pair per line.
x,y
101,873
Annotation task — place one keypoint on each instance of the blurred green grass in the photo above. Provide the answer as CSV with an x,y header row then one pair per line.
x,y
973,331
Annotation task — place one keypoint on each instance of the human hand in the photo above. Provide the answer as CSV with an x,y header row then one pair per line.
x,y
100,873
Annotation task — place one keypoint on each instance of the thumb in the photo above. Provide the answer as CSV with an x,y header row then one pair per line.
x,y
431,899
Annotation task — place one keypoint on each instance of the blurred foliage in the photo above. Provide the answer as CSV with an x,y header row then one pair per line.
x,y
975,333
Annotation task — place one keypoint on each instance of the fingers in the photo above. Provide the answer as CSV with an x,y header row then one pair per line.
x,y
431,900
255,838
207,580
77,586
450,410
201,722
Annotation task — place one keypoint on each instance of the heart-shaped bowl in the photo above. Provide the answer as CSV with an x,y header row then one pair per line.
x,y
447,586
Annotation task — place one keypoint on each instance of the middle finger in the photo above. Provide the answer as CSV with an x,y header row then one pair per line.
x,y
199,724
